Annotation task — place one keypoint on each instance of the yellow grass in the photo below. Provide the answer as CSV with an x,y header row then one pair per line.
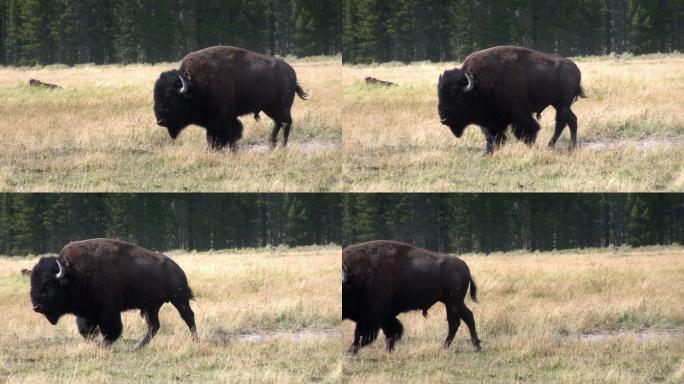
x,y
533,316
631,132
99,134
289,299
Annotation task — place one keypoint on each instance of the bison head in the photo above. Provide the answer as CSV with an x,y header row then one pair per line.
x,y
454,91
172,101
349,293
49,288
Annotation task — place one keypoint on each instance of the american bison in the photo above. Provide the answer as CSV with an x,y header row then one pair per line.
x,y
504,86
216,85
381,279
98,279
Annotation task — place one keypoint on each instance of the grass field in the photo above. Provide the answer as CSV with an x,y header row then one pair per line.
x,y
261,317
631,134
99,134
564,317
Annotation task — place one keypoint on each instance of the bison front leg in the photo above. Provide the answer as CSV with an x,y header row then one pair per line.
x,y
393,331
363,335
216,140
87,328
110,326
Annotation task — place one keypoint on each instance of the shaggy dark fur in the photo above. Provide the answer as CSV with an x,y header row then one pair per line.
x,y
509,85
103,277
222,84
381,279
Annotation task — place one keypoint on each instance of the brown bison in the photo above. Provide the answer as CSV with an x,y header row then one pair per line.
x,y
381,279
216,85
503,86
98,279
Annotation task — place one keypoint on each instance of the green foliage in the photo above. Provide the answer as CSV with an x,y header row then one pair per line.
x,y
439,30
40,223
498,222
124,31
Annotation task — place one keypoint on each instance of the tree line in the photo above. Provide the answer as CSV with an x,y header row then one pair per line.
x,y
133,31
504,222
442,30
42,223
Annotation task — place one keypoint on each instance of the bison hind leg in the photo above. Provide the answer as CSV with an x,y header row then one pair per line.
x,y
393,331
151,315
186,313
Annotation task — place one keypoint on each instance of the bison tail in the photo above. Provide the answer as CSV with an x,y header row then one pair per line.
x,y
473,290
300,92
581,93
191,295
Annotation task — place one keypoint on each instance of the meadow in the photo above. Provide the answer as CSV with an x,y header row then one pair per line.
x,y
591,316
267,316
631,133
99,133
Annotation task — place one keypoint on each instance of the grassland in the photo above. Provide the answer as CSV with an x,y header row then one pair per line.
x,y
564,317
261,316
631,132
99,134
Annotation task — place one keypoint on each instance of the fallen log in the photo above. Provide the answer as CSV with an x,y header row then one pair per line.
x,y
374,81
38,83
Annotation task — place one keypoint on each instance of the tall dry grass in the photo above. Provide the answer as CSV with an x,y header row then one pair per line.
x,y
631,132
534,314
261,317
99,134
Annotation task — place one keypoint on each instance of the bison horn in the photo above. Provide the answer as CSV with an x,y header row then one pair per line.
x,y
184,88
471,84
59,274
344,276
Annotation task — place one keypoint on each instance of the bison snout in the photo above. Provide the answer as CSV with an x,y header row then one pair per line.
x,y
37,308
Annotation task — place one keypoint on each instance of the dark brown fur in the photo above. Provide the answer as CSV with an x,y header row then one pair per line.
x,y
225,83
510,85
103,277
382,279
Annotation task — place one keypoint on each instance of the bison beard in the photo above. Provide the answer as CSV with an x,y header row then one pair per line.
x,y
216,85
98,279
381,279
503,86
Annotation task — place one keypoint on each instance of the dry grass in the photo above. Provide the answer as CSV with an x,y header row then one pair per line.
x,y
533,309
99,134
394,141
249,292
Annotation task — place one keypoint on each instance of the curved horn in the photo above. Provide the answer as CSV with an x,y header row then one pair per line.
x,y
184,88
344,276
471,83
61,272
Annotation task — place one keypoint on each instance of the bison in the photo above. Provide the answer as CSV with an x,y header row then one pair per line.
x,y
504,86
381,279
216,85
98,279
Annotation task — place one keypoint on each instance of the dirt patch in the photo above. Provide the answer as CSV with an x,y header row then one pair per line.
x,y
643,144
223,337
642,336
306,147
